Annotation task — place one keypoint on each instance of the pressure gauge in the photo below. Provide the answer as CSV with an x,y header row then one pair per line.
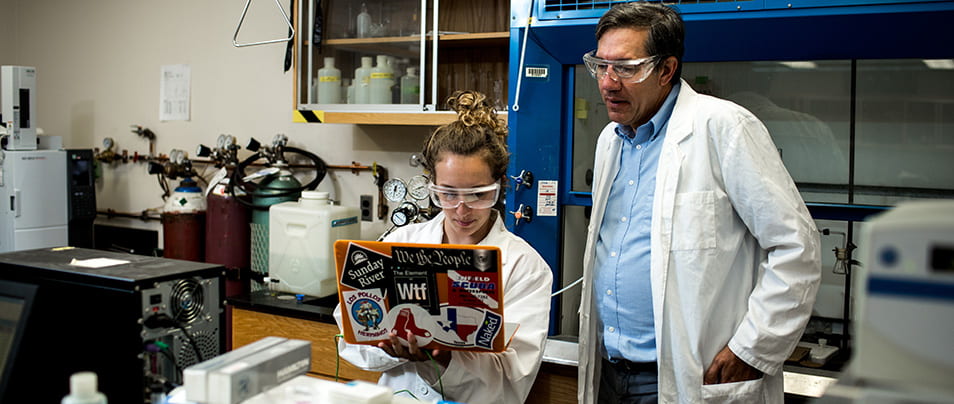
x,y
395,189
176,156
417,187
108,143
404,214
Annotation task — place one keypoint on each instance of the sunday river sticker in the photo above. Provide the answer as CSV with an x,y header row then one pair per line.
x,y
364,268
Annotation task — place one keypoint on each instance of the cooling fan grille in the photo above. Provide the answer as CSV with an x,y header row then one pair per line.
x,y
207,343
187,300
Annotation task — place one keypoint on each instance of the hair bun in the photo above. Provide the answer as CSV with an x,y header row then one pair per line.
x,y
472,108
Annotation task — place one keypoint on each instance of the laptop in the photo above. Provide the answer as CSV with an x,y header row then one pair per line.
x,y
448,296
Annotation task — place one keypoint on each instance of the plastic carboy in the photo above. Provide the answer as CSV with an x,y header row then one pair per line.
x,y
329,83
301,241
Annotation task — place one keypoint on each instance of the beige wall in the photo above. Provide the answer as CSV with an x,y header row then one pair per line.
x,y
98,69
7,31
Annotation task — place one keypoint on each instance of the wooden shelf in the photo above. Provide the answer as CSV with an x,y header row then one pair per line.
x,y
403,44
373,41
436,118
475,39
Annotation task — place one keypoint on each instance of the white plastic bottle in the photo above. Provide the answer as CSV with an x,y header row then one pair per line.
x,y
301,243
362,81
349,93
364,22
411,87
398,70
314,91
382,78
83,390
329,83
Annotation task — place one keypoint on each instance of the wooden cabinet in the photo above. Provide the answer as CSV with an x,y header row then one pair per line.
x,y
249,326
469,52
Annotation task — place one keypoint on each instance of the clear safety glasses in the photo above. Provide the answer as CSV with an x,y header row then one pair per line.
x,y
632,70
475,198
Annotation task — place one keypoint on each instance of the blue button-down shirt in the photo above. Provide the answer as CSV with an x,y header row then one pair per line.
x,y
622,278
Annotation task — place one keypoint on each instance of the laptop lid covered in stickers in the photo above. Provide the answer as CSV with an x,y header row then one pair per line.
x,y
449,296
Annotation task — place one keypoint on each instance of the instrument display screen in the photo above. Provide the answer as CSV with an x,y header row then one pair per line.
x,y
942,259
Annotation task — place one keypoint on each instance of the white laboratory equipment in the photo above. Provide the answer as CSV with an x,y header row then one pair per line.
x,y
18,106
905,305
34,193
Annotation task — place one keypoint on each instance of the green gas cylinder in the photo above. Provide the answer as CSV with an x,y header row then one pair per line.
x,y
273,189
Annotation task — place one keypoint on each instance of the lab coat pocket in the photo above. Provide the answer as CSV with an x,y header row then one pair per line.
x,y
694,222
749,391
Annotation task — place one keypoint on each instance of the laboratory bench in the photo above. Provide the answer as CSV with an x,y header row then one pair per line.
x,y
260,314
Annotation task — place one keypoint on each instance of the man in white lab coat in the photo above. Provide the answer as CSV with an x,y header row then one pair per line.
x,y
702,261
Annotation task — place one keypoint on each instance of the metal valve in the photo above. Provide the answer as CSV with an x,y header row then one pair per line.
x,y
523,212
525,178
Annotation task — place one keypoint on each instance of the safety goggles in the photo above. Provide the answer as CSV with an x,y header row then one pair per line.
x,y
632,70
475,198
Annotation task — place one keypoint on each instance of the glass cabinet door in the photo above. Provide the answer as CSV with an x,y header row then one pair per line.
x,y
382,55
362,55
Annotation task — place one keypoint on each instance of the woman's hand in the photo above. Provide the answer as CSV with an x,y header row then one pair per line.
x,y
412,352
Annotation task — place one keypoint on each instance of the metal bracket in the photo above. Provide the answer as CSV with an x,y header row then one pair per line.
x,y
239,27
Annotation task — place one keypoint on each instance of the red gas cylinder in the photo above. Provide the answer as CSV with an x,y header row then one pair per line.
x,y
183,223
228,236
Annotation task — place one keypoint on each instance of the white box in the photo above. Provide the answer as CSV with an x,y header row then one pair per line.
x,y
258,372
195,377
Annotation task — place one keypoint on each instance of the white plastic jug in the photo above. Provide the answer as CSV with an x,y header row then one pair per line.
x,y
301,243
329,83
382,79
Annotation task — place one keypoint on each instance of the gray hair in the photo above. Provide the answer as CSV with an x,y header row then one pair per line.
x,y
666,30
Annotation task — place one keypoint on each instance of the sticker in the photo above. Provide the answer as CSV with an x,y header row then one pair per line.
x,y
488,330
415,286
547,198
458,326
364,268
366,309
410,318
474,289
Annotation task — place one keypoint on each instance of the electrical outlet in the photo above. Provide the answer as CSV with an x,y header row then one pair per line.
x,y
367,207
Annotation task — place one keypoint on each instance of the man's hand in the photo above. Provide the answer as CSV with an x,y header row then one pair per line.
x,y
412,352
728,368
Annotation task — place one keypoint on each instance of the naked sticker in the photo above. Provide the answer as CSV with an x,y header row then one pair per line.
x,y
488,330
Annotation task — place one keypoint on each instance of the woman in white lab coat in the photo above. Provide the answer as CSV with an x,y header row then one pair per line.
x,y
468,160
735,255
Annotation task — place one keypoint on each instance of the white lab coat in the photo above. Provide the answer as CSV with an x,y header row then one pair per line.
x,y
476,378
735,254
